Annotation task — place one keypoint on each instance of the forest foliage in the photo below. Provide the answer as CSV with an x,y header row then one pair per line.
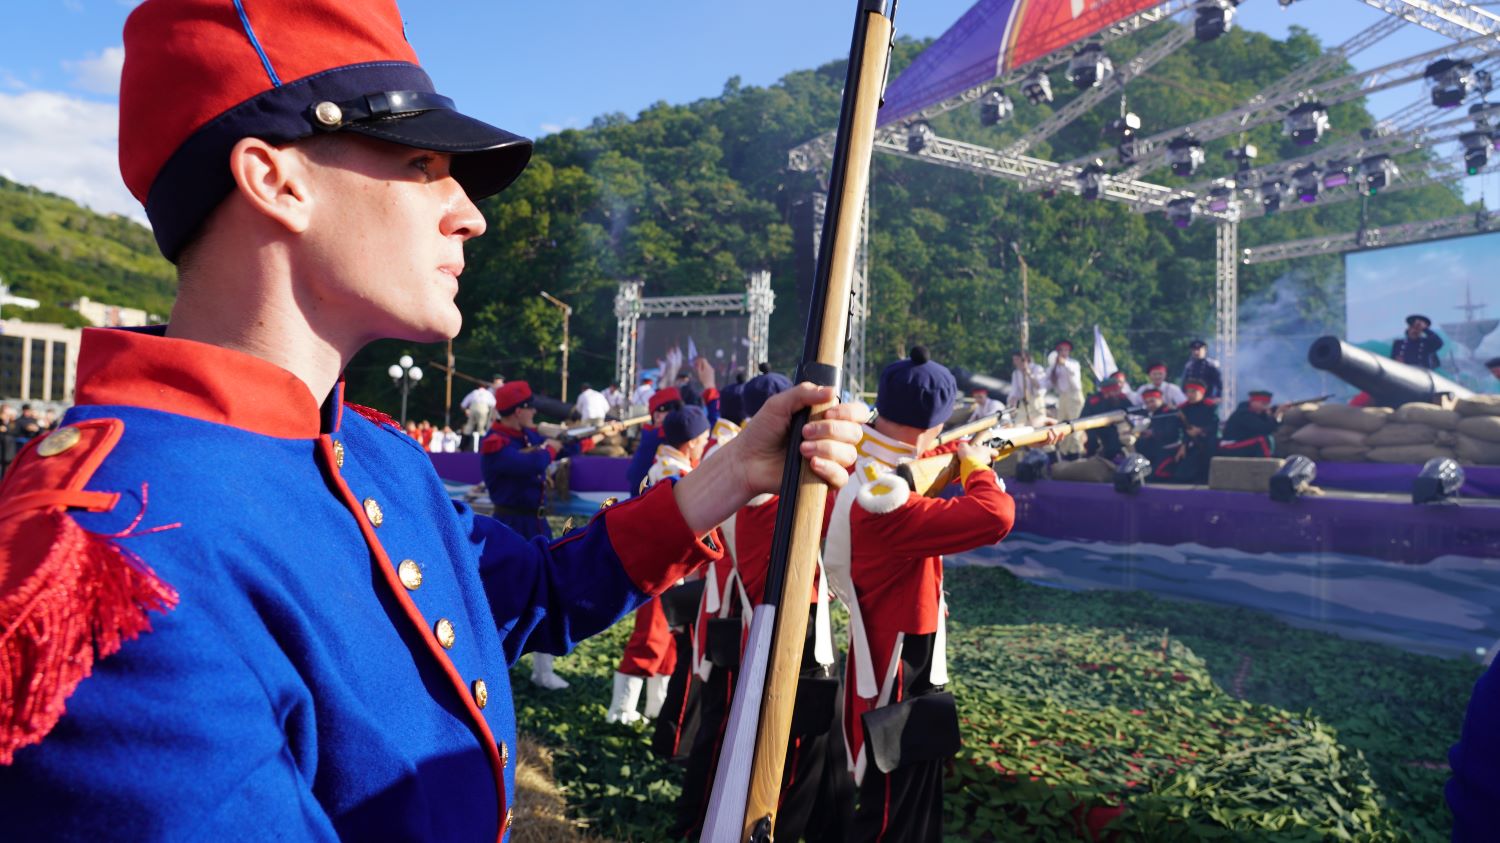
x,y
692,197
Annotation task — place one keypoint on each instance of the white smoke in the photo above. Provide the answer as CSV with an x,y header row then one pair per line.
x,y
1277,325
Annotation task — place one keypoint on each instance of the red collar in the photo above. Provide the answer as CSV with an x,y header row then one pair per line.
x,y
144,368
508,432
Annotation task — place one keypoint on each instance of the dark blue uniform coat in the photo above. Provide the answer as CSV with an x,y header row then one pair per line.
x,y
335,664
514,465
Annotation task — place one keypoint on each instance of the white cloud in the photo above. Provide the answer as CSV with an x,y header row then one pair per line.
x,y
10,81
65,145
98,74
554,128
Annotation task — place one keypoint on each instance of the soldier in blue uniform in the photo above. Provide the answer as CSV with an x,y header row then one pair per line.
x,y
1203,369
1420,346
233,606
514,459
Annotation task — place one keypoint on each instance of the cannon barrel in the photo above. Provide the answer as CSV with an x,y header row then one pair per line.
x,y
969,381
1390,382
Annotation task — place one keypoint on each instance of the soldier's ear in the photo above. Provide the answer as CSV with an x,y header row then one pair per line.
x,y
273,181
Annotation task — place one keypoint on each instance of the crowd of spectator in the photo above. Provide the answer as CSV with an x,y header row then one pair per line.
x,y
19,425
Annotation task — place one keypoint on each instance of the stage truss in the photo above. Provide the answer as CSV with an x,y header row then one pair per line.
x,y
758,302
1476,36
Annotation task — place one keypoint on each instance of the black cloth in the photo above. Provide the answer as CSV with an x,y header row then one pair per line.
x,y
1244,424
1104,441
677,726
1422,351
811,804
1162,438
1206,371
1201,441
907,803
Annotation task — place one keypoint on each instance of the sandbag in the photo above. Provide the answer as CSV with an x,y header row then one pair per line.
x,y
1345,417
1486,428
1242,474
1006,467
1413,454
1397,433
1479,405
1319,436
1446,439
1344,453
1089,470
1429,414
1297,449
1472,451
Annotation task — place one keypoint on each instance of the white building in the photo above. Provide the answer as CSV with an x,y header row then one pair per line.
x,y
102,315
38,361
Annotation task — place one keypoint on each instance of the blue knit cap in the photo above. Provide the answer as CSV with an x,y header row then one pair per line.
x,y
684,425
759,390
917,391
732,403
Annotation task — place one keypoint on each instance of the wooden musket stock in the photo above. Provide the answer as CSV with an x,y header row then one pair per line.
x,y
928,476
747,786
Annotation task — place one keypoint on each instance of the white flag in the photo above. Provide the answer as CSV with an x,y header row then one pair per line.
x,y
1103,363
692,351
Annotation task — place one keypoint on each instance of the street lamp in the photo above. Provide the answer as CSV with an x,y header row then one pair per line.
x,y
406,374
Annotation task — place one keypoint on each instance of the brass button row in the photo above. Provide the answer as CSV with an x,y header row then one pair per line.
x,y
338,453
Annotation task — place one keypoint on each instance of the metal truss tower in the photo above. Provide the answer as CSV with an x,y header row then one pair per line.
x,y
1227,306
758,301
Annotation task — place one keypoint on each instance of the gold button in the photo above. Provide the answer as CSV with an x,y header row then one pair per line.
x,y
510,817
372,512
481,693
608,502
444,632
338,453
58,441
504,754
410,574
327,113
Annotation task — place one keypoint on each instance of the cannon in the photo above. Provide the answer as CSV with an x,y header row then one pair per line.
x,y
969,381
1390,382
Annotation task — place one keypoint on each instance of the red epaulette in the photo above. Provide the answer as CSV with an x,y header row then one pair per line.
x,y
68,597
373,415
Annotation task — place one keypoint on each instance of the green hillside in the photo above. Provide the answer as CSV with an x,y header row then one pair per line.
x,y
54,250
690,197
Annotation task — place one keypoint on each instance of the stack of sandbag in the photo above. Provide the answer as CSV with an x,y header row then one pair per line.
x,y
1478,430
1413,433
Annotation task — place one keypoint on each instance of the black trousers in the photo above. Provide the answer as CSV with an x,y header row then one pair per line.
x,y
677,726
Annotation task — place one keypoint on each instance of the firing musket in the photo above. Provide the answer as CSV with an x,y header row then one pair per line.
x,y
575,433
928,476
747,787
971,428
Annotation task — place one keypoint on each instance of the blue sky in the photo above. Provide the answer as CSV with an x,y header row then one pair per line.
x,y
530,67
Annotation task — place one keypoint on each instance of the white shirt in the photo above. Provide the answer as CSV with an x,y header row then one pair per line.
x,y
643,394
1019,390
986,406
1171,393
1063,376
450,440
592,404
482,395
615,397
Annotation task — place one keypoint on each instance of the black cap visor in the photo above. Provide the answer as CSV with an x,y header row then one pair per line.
x,y
486,159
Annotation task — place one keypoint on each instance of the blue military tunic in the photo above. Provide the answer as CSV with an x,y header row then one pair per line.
x,y
514,464
335,666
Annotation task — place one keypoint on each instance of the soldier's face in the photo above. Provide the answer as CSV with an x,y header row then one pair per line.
x,y
1158,375
386,238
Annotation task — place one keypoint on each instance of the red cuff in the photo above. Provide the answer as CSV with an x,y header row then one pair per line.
x,y
586,445
551,452
710,394
654,544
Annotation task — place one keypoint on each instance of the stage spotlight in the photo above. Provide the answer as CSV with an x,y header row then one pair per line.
x,y
1032,466
1089,67
1293,478
1182,211
1337,173
918,136
1185,155
1122,130
1450,80
1132,474
1091,179
1378,171
1221,196
1306,123
1441,479
1477,146
995,108
1242,156
1271,192
1307,183
1486,116
1037,88
1213,18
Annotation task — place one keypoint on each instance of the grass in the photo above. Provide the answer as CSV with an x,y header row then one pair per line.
x,y
1163,719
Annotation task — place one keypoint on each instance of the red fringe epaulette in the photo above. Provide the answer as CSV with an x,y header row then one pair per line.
x,y
373,414
68,597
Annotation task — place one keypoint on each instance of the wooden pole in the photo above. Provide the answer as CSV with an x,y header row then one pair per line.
x,y
567,313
